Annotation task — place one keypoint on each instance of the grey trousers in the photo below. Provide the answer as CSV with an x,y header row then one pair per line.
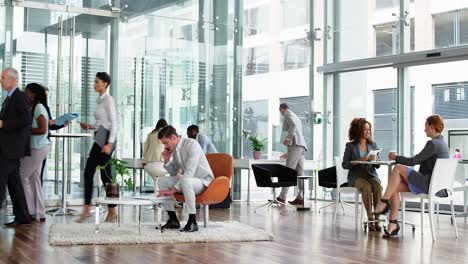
x,y
295,160
30,174
190,188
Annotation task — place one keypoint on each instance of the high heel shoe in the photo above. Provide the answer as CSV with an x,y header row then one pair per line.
x,y
394,233
82,218
386,209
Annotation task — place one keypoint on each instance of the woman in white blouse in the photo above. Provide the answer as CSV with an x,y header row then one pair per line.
x,y
106,117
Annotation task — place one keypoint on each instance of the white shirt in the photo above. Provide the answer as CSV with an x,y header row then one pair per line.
x,y
106,115
189,157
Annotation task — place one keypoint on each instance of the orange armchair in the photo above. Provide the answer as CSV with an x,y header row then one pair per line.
x,y
222,166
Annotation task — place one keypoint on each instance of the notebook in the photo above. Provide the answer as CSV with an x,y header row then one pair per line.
x,y
101,136
61,120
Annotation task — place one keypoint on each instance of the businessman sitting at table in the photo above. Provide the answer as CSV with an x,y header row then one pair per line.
x,y
190,174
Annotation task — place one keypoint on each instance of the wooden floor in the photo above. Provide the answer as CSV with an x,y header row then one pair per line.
x,y
299,237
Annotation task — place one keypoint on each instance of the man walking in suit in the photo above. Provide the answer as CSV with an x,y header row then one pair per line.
x,y
190,174
297,147
15,143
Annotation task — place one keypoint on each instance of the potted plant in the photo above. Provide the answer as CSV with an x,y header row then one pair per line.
x,y
118,166
257,146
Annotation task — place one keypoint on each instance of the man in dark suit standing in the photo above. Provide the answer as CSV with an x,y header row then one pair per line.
x,y
15,143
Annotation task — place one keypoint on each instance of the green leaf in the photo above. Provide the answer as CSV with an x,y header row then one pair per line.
x,y
117,166
257,143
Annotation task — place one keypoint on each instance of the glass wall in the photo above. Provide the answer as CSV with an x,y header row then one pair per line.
x,y
276,70
176,63
173,61
439,88
2,35
95,4
444,85
369,94
62,51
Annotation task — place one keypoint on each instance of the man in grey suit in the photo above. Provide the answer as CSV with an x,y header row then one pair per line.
x,y
297,147
206,144
190,174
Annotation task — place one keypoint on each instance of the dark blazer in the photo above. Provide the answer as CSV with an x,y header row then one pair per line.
x,y
351,154
433,150
15,136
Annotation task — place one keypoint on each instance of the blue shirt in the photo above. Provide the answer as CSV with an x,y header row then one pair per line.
x,y
12,91
206,144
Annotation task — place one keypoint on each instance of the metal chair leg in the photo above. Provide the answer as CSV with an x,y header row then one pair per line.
x,y
452,207
328,205
263,205
206,215
287,205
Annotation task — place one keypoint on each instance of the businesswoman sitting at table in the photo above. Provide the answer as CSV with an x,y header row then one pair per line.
x,y
405,179
101,152
362,176
31,166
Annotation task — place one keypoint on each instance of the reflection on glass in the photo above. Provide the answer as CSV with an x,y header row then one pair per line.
x,y
255,120
444,30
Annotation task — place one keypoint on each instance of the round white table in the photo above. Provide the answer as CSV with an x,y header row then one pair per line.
x,y
121,201
65,137
134,201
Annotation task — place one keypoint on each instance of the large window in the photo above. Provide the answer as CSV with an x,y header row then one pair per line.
x,y
379,4
449,100
387,38
444,30
2,36
295,54
256,60
295,13
256,20
451,29
385,119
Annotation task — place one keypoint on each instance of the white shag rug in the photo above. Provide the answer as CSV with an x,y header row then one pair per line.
x,y
84,234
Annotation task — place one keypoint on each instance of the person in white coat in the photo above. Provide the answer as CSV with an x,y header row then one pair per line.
x,y
152,156
190,175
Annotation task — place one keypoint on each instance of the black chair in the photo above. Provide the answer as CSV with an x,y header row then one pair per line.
x,y
263,176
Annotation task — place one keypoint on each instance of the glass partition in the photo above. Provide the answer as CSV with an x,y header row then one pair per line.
x,y
2,35
176,63
62,51
442,89
369,94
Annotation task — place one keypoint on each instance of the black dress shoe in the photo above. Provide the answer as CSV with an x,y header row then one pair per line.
x,y
34,219
190,227
171,224
15,224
